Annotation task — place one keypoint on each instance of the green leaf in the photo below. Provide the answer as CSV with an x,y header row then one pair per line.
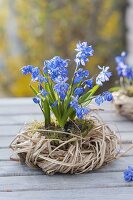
x,y
46,111
34,90
89,94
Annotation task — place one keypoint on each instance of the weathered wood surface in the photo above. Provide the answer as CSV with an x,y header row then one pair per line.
x,y
20,182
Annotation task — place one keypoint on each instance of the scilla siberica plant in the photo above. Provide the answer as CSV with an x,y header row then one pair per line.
x,y
124,71
67,100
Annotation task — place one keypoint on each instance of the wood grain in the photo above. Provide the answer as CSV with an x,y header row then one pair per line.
x,y
121,193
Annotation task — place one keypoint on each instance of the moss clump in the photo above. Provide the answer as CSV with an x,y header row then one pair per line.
x,y
129,91
56,133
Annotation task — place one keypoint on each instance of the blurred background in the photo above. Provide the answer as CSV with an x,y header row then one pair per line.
x,y
34,30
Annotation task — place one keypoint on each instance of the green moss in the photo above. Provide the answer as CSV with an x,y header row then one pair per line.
x,y
76,127
130,91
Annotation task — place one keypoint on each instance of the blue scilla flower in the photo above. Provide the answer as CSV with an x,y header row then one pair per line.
x,y
99,99
121,58
123,70
107,96
80,74
54,104
27,69
80,112
84,51
103,76
35,73
44,92
120,67
36,100
74,102
78,91
128,174
61,89
41,78
57,69
89,83
128,72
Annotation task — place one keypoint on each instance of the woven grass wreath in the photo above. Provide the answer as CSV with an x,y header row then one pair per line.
x,y
67,141
123,95
58,151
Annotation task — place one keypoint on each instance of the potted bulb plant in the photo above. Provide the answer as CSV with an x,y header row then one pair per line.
x,y
70,139
123,94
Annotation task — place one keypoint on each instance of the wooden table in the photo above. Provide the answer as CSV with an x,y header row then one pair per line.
x,y
19,182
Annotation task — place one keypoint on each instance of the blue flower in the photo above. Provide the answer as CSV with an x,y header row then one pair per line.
x,y
27,69
103,76
57,69
128,174
41,78
40,87
123,70
74,102
44,92
128,72
121,58
107,96
80,112
36,100
84,50
54,104
89,83
80,74
78,91
35,73
61,89
120,68
99,99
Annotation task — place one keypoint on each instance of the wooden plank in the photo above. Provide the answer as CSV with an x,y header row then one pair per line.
x,y
15,101
121,193
123,125
63,182
5,141
12,168
17,169
18,120
19,110
24,117
125,137
26,105
7,130
28,109
5,154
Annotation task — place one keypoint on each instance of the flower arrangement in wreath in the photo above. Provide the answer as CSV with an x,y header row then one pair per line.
x,y
123,95
67,141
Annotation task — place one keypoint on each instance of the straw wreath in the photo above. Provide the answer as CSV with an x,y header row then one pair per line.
x,y
77,154
123,104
